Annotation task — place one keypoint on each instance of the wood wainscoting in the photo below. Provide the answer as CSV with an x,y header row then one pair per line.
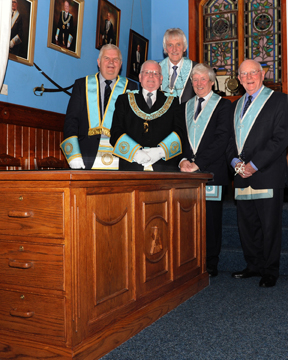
x,y
29,134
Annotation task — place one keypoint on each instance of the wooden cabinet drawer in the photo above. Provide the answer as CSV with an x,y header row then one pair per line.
x,y
31,265
32,314
32,214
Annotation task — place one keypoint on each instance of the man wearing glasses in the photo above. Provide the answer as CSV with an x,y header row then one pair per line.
x,y
176,69
148,126
90,111
257,152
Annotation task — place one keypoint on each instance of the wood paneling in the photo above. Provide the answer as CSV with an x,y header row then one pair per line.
x,y
30,133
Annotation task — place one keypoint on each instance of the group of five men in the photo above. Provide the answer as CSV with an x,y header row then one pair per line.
x,y
176,122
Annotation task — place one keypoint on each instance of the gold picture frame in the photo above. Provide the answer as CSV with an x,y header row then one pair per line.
x,y
23,30
65,34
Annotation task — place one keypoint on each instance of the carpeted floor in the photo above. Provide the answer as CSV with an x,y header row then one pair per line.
x,y
231,319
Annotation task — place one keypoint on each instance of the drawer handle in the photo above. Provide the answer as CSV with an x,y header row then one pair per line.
x,y
27,314
20,214
20,265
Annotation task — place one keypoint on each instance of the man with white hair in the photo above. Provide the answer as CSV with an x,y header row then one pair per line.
x,y
208,121
176,69
257,152
90,111
64,33
148,125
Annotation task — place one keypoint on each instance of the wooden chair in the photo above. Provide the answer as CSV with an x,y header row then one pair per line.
x,y
49,162
8,161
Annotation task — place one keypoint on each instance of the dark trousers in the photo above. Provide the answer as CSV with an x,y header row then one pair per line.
x,y
260,228
213,231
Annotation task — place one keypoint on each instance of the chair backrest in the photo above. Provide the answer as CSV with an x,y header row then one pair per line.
x,y
49,162
8,161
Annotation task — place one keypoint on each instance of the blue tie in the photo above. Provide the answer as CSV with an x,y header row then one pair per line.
x,y
248,103
199,107
174,75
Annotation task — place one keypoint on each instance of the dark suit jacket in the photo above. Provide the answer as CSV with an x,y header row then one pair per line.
x,y
265,146
17,29
126,121
211,153
188,92
76,122
66,31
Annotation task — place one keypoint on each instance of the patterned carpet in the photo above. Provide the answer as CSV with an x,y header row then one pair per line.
x,y
231,319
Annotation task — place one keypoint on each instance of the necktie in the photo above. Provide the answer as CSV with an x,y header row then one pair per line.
x,y
248,103
149,100
199,107
107,92
12,14
174,75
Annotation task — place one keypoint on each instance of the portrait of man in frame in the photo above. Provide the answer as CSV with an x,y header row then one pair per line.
x,y
23,28
65,26
108,24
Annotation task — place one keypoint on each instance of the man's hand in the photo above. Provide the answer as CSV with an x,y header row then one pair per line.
x,y
155,154
11,44
244,170
141,157
187,166
77,163
249,169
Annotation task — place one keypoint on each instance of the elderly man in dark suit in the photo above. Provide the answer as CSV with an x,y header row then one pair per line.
x,y
176,69
64,33
257,152
148,126
90,111
208,120
108,35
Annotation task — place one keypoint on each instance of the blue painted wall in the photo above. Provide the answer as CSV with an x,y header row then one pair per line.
x,y
150,18
166,14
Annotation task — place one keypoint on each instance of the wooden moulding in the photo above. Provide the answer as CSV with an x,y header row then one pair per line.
x,y
100,344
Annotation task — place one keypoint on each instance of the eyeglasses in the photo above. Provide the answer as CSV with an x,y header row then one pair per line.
x,y
114,60
150,72
252,73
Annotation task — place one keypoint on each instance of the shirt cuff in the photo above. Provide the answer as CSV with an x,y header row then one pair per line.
x,y
234,162
254,166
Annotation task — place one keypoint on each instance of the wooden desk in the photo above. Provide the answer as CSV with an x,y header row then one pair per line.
x,y
88,259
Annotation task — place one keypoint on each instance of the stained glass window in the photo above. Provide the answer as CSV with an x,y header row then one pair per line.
x,y
220,39
263,36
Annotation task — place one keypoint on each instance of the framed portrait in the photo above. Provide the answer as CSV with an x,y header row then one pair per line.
x,y
137,54
65,26
23,30
108,24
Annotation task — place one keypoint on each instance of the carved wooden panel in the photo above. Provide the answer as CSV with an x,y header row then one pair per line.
x,y
154,248
111,261
187,234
